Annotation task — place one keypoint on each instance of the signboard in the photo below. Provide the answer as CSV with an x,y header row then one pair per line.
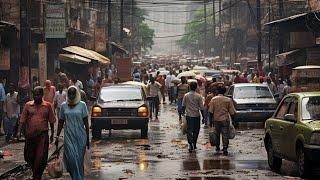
x,y
23,77
42,62
124,67
4,59
100,38
55,21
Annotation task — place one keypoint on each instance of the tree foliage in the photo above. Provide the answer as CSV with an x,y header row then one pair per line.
x,y
144,34
193,40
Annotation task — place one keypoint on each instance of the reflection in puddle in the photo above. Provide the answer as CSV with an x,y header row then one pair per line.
x,y
143,166
218,164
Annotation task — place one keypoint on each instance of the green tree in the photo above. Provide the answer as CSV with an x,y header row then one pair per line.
x,y
193,40
146,35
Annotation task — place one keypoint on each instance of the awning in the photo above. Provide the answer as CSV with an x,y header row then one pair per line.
x,y
80,32
285,19
87,54
74,58
119,48
283,58
5,24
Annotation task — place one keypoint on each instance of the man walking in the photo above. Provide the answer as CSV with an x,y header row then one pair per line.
x,y
170,86
36,116
154,89
192,103
220,109
11,109
2,98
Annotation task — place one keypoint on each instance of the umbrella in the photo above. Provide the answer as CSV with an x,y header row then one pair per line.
x,y
201,78
164,73
186,74
176,81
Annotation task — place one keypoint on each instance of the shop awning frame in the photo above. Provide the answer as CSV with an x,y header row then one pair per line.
x,y
87,54
74,58
285,19
119,48
282,59
5,24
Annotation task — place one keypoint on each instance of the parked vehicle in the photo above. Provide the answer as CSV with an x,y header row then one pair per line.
x,y
293,132
120,107
253,102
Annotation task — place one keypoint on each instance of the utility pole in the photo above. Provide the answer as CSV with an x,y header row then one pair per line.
x,y
269,43
220,17
109,29
229,34
259,35
25,35
131,29
121,22
205,26
214,18
280,29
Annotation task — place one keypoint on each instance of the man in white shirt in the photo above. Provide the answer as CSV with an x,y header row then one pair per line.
x,y
170,85
61,96
154,89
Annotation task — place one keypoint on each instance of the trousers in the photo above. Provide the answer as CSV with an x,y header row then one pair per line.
x,y
222,127
193,129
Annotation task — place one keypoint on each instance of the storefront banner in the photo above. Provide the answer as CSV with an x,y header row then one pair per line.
x,y
100,38
55,21
42,48
4,59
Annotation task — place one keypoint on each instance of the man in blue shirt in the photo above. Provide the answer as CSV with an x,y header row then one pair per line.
x,y
2,98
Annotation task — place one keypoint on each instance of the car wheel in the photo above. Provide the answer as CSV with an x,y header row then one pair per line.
x,y
96,134
303,163
144,132
273,161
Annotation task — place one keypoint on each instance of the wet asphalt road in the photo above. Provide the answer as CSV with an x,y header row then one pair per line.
x,y
164,155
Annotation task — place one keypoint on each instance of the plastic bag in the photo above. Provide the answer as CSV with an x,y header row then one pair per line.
x,y
87,162
184,125
213,137
55,168
232,131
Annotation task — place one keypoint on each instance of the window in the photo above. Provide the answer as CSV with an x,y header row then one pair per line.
x,y
252,92
293,109
230,92
282,111
311,108
121,94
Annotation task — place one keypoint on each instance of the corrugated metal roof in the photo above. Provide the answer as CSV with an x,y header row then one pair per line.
x,y
285,19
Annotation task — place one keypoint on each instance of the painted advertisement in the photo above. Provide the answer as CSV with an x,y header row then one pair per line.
x,y
100,39
4,59
55,21
42,62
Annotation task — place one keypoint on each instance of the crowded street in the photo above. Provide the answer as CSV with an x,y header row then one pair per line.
x,y
164,155
159,89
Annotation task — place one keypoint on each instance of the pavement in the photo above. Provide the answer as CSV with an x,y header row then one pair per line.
x,y
164,155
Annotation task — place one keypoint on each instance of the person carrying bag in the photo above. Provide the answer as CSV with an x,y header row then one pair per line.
x,y
220,109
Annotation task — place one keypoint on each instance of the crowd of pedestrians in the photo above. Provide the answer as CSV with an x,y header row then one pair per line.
x,y
204,101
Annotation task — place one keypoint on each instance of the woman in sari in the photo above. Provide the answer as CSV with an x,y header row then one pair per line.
x,y
74,117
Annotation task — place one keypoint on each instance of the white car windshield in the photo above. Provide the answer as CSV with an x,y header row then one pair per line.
x,y
120,94
252,92
311,108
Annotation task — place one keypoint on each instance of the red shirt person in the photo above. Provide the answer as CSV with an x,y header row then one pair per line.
x,y
36,117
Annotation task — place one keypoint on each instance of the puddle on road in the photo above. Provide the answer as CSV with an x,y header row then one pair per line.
x,y
250,125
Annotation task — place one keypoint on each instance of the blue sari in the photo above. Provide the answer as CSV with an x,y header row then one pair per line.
x,y
75,138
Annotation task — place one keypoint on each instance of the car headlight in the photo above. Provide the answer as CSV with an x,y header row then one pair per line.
x,y
143,111
96,111
315,138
